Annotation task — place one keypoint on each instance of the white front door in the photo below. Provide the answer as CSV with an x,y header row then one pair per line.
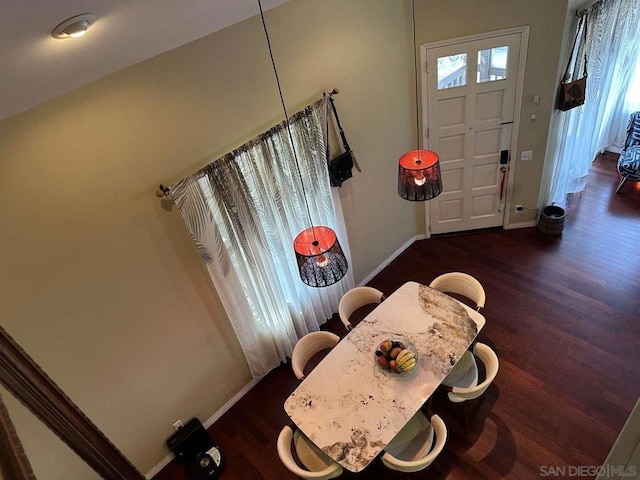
x,y
471,92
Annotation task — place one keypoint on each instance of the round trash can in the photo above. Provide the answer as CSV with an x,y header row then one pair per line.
x,y
551,221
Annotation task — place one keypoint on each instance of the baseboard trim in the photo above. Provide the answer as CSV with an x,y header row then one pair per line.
x,y
210,421
530,223
390,258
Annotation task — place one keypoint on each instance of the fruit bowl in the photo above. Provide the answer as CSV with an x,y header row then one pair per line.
x,y
396,356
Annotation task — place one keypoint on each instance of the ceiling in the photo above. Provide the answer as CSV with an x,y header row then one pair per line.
x,y
37,67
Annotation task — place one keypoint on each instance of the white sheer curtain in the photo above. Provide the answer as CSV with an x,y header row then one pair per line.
x,y
243,212
615,134
612,48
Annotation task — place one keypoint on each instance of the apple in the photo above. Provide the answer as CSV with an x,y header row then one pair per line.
x,y
395,351
393,366
383,362
386,346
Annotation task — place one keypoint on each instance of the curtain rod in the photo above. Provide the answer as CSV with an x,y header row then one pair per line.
x,y
583,11
164,192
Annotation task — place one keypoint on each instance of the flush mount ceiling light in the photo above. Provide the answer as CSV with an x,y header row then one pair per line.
x,y
74,26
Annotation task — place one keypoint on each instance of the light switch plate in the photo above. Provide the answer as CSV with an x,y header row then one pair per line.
x,y
526,155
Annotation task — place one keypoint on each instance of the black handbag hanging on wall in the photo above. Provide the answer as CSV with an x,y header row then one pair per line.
x,y
340,167
573,94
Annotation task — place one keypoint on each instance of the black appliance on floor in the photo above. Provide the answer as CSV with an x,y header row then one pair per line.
x,y
195,450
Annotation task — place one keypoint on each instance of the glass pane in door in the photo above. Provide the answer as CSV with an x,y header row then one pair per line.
x,y
492,64
452,71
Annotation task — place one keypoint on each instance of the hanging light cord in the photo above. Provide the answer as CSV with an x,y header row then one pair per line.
x,y
286,118
415,70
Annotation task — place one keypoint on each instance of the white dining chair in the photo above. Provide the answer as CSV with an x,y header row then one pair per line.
x,y
317,465
464,373
413,448
462,284
354,299
466,388
308,346
463,391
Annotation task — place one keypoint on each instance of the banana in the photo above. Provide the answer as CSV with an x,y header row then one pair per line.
x,y
404,354
407,366
401,355
406,361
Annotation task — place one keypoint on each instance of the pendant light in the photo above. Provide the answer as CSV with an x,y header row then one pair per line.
x,y
419,175
321,261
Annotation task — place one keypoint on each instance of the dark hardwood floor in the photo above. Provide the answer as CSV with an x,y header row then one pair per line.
x,y
563,314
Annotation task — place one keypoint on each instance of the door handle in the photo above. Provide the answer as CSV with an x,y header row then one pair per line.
x,y
504,157
504,174
507,123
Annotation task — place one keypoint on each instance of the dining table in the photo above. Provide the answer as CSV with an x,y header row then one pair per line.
x,y
351,407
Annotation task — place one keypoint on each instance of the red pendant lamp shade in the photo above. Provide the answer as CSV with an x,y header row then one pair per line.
x,y
320,258
419,176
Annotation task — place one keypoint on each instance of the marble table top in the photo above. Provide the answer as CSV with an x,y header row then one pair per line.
x,y
349,406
